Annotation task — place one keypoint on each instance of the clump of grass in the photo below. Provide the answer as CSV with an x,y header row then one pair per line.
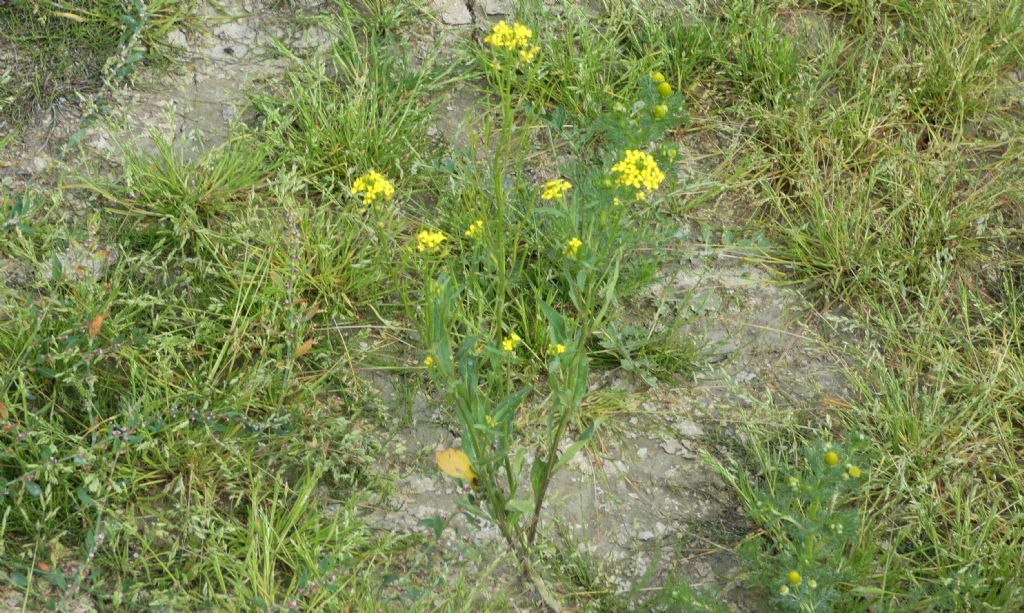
x,y
363,107
889,187
60,51
174,416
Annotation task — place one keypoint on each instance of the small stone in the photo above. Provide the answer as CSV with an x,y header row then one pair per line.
x,y
642,452
671,447
497,7
452,12
689,429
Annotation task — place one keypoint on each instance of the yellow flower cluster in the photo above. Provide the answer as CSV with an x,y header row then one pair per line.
x,y
514,37
429,241
556,349
526,55
475,228
373,186
572,246
555,189
640,171
511,342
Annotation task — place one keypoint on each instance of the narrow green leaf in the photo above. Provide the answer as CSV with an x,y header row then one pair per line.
x,y
575,447
18,579
84,497
555,319
435,523
508,405
520,505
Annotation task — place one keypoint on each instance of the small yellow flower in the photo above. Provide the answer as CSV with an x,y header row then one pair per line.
x,y
854,472
638,170
475,228
490,421
664,89
784,590
428,361
373,186
811,583
793,577
658,77
555,189
660,111
509,36
793,482
572,246
831,458
556,349
617,201
510,342
427,241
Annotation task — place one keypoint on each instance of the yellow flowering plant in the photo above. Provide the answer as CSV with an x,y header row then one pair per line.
x,y
514,39
555,189
430,241
531,282
372,188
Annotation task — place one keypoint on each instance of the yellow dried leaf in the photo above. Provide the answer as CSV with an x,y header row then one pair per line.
x,y
455,463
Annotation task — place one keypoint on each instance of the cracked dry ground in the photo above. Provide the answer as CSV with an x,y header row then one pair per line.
x,y
641,499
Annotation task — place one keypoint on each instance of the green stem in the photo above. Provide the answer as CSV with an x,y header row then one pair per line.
x,y
551,455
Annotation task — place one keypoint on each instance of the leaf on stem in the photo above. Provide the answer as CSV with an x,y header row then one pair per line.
x,y
575,447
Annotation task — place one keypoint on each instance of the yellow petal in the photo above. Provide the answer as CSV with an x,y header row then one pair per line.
x,y
455,463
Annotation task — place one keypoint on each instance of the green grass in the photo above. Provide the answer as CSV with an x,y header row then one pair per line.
x,y
53,50
887,167
193,423
166,406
